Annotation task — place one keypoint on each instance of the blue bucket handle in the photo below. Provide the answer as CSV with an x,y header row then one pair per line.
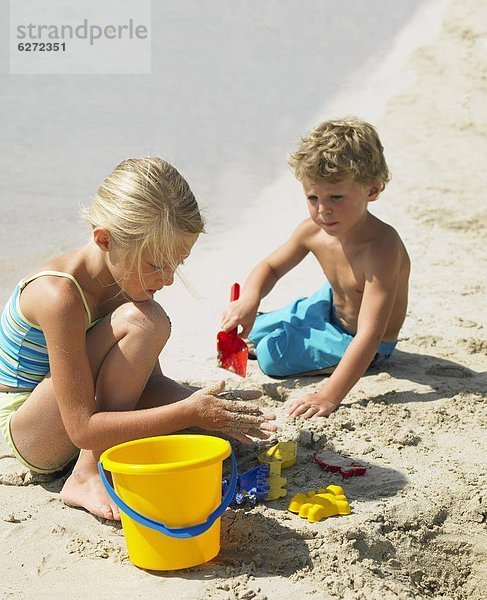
x,y
174,532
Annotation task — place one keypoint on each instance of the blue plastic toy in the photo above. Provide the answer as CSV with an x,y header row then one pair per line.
x,y
251,485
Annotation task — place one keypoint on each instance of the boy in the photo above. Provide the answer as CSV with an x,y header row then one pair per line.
x,y
353,321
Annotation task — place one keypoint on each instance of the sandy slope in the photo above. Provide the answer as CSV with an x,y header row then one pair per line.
x,y
418,524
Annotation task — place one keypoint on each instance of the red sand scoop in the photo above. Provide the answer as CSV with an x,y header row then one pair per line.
x,y
232,351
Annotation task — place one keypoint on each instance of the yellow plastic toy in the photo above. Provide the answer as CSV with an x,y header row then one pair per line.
x,y
282,452
280,456
277,483
315,506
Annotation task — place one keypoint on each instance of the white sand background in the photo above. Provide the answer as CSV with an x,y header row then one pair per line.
x,y
232,89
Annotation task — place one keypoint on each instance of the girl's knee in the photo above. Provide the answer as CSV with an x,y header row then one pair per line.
x,y
144,318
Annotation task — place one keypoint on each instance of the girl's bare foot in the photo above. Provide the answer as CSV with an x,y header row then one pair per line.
x,y
85,489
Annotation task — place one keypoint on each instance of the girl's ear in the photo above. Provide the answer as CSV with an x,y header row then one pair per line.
x,y
102,239
374,191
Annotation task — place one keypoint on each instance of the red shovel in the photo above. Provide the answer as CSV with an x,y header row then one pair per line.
x,y
232,351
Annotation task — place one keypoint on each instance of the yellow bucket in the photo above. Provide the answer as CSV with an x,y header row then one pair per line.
x,y
169,491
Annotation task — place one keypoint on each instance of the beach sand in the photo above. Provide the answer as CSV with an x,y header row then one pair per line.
x,y
417,527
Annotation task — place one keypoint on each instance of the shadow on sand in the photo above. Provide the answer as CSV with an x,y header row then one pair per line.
x,y
446,378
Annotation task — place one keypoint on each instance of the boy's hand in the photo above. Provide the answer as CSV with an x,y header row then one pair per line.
x,y
312,405
240,312
237,418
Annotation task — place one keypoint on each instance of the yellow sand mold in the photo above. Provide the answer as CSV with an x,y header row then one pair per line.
x,y
277,483
315,506
282,452
280,456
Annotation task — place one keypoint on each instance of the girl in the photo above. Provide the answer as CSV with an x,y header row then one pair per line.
x,y
80,339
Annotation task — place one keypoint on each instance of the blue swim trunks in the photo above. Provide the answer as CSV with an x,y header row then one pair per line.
x,y
304,336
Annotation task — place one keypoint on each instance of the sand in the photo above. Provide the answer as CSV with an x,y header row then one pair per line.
x,y
417,527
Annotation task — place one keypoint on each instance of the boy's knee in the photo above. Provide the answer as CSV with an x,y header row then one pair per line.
x,y
147,318
271,354
274,367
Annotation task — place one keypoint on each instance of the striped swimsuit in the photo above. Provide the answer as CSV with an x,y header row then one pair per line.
x,y
24,361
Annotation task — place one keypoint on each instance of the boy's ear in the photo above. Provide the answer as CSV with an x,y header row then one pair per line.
x,y
102,239
374,191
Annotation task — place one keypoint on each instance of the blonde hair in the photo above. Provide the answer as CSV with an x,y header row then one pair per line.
x,y
341,149
146,204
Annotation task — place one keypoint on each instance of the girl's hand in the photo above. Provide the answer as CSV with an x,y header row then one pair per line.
x,y
235,417
312,405
240,312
